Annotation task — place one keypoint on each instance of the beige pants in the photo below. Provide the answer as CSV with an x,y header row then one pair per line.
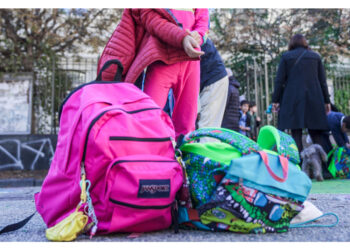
x,y
212,104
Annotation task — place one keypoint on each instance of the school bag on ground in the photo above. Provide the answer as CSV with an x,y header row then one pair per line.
x,y
114,168
339,165
252,190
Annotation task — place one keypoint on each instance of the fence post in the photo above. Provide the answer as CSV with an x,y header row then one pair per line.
x,y
330,89
272,72
247,70
53,127
267,88
256,85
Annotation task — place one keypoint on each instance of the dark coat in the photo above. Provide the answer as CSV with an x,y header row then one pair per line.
x,y
301,91
231,115
212,67
334,119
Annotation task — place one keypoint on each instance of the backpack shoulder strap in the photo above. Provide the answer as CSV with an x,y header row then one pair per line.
x,y
16,226
307,223
298,59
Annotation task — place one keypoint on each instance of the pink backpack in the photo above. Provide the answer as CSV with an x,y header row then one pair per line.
x,y
124,142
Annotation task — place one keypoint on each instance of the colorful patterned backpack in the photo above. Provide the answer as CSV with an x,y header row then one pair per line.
x,y
205,163
339,165
241,186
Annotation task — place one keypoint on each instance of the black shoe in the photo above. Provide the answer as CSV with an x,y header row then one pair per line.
x,y
327,175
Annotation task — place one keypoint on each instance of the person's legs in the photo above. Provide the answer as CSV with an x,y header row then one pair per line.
x,y
317,137
327,142
159,79
297,136
213,102
186,91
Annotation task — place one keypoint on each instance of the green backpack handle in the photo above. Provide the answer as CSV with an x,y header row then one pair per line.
x,y
273,139
235,139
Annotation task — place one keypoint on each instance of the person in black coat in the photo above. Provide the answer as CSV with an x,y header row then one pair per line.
x,y
301,93
231,115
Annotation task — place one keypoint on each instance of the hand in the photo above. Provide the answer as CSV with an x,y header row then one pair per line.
x,y
347,145
258,119
189,44
328,108
195,35
275,107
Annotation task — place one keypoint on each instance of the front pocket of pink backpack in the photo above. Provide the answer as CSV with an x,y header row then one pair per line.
x,y
141,190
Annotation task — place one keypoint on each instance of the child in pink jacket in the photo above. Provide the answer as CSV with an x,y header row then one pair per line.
x,y
183,77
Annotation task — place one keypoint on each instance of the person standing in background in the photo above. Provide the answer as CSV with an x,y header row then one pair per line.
x,y
231,115
255,121
213,87
244,118
301,92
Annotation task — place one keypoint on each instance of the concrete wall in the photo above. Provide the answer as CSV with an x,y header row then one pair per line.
x,y
26,152
16,103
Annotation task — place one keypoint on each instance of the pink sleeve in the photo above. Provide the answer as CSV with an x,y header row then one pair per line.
x,y
202,21
158,26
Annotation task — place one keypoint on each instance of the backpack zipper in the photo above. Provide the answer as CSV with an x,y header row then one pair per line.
x,y
125,138
140,207
122,161
99,116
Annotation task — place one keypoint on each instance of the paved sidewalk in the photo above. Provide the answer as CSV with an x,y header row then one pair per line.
x,y
18,203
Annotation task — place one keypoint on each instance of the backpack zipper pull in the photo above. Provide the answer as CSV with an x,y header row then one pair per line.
x,y
93,231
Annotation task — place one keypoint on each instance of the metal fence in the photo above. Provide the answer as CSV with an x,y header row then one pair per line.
x,y
52,85
258,85
339,81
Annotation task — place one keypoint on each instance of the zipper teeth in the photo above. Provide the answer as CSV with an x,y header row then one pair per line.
x,y
100,115
122,161
126,138
139,207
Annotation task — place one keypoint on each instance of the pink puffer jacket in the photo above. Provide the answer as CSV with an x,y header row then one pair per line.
x,y
137,47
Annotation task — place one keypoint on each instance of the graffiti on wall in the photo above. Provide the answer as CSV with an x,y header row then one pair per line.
x,y
29,155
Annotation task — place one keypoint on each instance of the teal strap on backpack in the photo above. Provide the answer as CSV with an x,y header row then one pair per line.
x,y
304,224
235,139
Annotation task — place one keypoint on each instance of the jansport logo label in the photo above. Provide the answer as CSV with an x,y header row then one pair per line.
x,y
154,188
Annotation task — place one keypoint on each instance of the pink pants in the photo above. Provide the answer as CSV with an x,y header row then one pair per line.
x,y
183,78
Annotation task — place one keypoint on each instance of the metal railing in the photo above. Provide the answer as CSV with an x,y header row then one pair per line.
x,y
53,84
339,80
258,85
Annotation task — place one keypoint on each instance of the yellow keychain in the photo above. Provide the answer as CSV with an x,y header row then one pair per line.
x,y
69,228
